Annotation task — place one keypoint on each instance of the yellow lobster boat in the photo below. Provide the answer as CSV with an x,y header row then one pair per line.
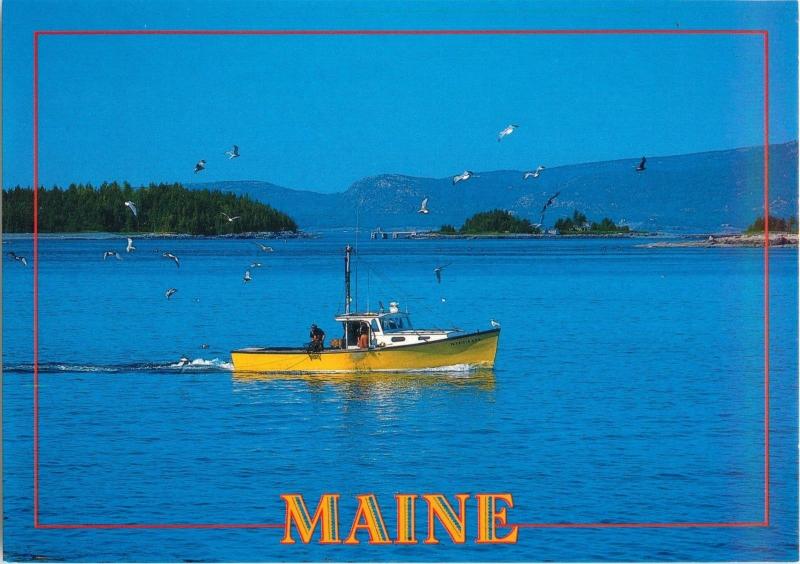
x,y
391,344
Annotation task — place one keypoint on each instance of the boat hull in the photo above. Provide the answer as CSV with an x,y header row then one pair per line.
x,y
472,349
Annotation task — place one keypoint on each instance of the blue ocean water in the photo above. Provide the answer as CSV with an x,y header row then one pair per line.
x,y
629,387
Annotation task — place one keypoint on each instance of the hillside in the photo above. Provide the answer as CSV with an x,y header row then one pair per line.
x,y
701,192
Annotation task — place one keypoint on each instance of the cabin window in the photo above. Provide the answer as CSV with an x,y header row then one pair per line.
x,y
398,339
375,327
396,323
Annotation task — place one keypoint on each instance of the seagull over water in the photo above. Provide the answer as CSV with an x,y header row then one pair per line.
x,y
466,175
438,272
640,167
507,131
534,174
423,208
18,258
172,257
548,204
495,324
247,278
130,248
114,254
265,248
233,153
131,206
229,218
169,293
255,265
201,165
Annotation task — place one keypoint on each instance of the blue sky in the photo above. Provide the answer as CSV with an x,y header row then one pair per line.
x,y
320,112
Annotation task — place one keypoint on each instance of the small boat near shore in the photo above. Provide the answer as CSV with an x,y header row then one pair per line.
x,y
383,340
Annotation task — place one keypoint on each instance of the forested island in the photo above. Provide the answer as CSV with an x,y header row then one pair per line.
x,y
500,222
579,224
161,208
492,222
782,233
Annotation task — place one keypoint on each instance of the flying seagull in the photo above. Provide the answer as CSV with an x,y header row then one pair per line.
x,y
18,258
534,174
265,248
423,208
201,164
438,272
114,254
466,175
233,153
247,277
548,204
229,218
640,167
255,265
495,324
169,293
130,248
172,257
550,201
507,131
132,207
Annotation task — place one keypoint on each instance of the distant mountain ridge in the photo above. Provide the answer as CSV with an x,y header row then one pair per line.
x,y
698,192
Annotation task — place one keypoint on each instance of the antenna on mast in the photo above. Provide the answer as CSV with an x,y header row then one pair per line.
x,y
347,251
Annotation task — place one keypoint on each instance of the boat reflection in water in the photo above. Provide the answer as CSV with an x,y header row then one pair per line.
x,y
364,384
346,427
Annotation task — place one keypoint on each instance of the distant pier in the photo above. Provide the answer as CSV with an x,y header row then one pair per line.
x,y
379,234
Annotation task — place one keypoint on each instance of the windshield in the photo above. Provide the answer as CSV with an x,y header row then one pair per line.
x,y
395,323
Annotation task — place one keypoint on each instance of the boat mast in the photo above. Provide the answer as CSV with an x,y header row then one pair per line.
x,y
347,250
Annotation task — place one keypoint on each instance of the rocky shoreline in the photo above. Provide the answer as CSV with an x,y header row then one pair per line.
x,y
447,236
750,240
107,235
754,240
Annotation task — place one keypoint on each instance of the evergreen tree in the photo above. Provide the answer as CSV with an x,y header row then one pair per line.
x,y
497,221
579,223
775,224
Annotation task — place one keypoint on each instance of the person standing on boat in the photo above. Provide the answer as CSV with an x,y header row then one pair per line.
x,y
317,336
363,338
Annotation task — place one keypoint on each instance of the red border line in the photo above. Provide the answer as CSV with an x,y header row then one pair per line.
x,y
36,34
766,277
405,32
161,526
636,525
35,280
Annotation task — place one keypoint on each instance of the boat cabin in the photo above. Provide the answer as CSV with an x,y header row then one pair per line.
x,y
382,329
